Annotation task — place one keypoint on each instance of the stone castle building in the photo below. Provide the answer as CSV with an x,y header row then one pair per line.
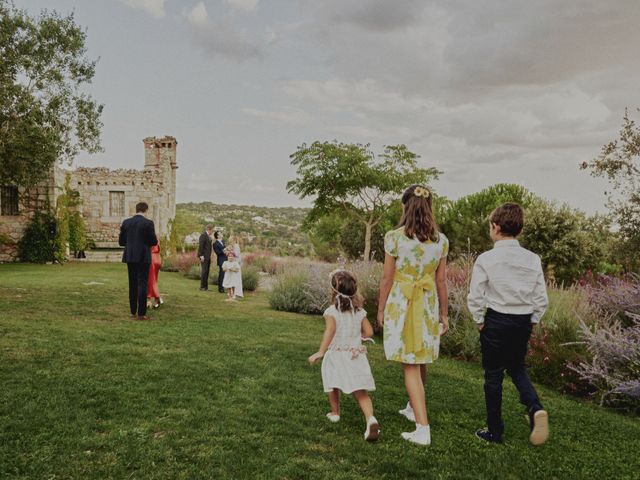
x,y
107,197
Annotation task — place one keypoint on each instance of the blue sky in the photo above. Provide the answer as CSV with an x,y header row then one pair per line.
x,y
486,91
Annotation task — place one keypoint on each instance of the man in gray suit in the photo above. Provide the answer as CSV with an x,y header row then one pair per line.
x,y
204,254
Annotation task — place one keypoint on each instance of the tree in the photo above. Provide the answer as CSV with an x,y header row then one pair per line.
x,y
45,115
70,228
569,243
619,163
352,237
465,221
348,178
324,235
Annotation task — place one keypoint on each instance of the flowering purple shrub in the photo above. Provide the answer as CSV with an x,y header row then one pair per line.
x,y
614,368
613,296
304,287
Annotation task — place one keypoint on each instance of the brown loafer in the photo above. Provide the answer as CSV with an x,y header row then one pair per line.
x,y
144,317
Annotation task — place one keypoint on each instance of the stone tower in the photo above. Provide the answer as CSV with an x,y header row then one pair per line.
x,y
160,156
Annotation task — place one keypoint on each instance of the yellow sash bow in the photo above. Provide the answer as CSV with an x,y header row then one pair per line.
x,y
414,323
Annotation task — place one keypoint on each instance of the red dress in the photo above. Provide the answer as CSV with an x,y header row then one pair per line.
x,y
154,269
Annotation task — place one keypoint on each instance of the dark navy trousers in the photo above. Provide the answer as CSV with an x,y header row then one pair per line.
x,y
504,341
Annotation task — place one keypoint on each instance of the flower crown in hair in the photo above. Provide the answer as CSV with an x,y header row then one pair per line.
x,y
331,275
422,192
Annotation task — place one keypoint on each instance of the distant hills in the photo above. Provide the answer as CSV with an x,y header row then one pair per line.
x,y
261,228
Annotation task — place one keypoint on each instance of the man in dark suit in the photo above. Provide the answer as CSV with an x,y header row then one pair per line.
x,y
137,236
204,254
219,247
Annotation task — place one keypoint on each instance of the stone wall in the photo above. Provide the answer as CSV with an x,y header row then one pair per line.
x,y
104,191
38,198
107,197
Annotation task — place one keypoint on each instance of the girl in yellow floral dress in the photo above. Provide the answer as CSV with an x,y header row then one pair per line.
x,y
413,300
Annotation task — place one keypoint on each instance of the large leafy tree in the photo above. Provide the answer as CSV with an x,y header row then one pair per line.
x,y
619,163
351,179
45,114
466,221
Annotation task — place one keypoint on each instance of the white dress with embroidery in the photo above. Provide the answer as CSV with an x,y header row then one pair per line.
x,y
232,275
345,365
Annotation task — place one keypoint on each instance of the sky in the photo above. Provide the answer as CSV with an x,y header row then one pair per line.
x,y
486,91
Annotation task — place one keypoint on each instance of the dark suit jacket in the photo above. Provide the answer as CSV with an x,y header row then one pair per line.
x,y
137,236
204,246
219,249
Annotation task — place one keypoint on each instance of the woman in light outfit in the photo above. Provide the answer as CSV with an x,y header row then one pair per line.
x,y
234,244
413,301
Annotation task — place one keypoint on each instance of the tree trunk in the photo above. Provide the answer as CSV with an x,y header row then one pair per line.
x,y
367,241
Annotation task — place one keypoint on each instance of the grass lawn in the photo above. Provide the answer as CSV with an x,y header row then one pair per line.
x,y
212,390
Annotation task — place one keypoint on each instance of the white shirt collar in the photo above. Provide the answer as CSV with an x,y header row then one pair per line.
x,y
507,243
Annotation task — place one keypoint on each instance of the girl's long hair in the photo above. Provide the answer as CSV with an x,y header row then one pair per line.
x,y
417,216
344,292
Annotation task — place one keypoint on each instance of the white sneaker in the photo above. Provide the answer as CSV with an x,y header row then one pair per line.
x,y
421,435
408,413
372,432
333,418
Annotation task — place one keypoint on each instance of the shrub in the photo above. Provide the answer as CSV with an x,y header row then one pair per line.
x,y
169,264
568,242
462,339
465,221
368,275
193,272
289,293
39,244
612,296
250,278
305,288
614,368
324,235
185,261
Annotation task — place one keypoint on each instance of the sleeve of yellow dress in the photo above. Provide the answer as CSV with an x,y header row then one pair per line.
x,y
391,243
445,246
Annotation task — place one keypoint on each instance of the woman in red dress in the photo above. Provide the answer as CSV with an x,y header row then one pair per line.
x,y
154,270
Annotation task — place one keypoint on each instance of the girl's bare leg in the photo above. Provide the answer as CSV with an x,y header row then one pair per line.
x,y
415,389
334,401
423,373
363,399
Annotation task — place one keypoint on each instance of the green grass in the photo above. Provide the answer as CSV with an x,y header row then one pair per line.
x,y
211,390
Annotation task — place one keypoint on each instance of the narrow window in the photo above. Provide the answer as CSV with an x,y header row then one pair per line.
x,y
116,204
9,201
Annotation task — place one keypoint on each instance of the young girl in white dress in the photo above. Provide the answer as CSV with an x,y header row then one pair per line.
x,y
345,367
232,275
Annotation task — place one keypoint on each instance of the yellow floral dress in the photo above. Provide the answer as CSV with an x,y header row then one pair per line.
x,y
411,323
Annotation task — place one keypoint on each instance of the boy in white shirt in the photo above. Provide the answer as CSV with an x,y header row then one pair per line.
x,y
507,296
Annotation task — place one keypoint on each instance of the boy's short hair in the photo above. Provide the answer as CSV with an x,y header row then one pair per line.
x,y
142,207
509,217
216,234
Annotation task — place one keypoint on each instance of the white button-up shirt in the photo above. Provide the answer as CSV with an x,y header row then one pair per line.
x,y
507,279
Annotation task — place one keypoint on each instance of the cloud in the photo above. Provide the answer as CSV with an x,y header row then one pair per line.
x,y
221,38
244,5
155,8
378,15
287,115
198,16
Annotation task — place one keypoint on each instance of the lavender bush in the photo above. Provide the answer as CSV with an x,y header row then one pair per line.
x,y
304,287
614,368
613,296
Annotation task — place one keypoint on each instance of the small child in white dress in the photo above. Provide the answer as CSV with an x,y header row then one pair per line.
x,y
232,275
345,367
